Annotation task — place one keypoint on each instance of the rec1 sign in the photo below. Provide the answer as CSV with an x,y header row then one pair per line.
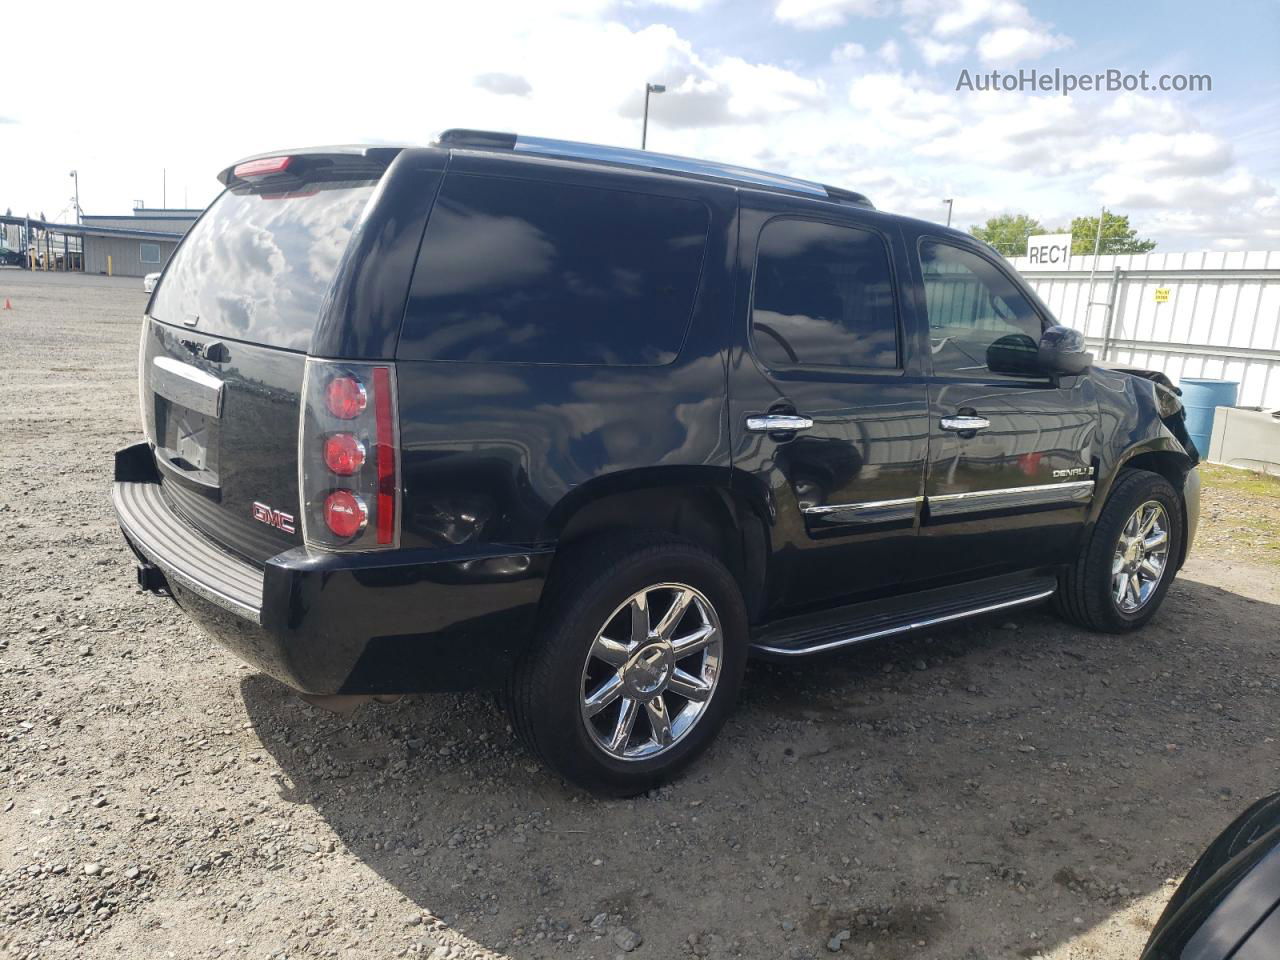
x,y
1049,249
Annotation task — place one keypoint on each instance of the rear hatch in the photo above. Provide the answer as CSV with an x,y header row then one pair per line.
x,y
225,339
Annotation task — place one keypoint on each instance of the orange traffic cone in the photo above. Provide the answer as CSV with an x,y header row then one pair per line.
x,y
7,304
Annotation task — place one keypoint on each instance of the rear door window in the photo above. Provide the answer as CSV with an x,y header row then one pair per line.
x,y
823,297
524,271
257,265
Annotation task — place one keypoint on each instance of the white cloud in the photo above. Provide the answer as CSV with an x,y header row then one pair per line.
x,y
701,94
890,52
1124,189
896,93
817,14
1182,154
688,6
847,52
1058,156
936,51
1251,225
1009,45
1010,33
957,17
504,84
764,88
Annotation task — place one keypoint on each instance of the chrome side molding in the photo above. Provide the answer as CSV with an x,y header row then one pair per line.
x,y
863,505
948,504
1040,494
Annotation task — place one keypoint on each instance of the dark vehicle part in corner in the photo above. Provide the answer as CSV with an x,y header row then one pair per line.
x,y
1228,905
590,426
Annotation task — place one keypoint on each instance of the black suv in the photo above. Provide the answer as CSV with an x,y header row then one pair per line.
x,y
590,426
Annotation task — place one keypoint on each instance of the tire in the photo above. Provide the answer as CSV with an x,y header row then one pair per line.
x,y
1087,593
593,592
1257,821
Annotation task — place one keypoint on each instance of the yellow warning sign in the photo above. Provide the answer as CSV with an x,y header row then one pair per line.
x,y
1162,294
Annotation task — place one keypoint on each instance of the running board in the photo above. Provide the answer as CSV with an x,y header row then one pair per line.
x,y
802,636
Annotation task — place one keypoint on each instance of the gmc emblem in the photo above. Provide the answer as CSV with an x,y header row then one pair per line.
x,y
273,517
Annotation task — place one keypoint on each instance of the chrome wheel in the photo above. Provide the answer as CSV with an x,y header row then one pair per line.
x,y
651,671
1142,554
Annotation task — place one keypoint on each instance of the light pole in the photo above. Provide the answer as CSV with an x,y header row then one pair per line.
x,y
76,177
648,89
948,202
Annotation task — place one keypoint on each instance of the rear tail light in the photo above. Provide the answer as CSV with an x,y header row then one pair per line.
x,y
385,426
345,513
345,397
349,456
343,454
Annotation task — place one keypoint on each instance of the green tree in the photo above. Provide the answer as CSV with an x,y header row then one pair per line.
x,y
1117,235
1008,232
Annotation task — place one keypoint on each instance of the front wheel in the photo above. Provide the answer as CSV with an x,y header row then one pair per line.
x,y
637,664
1122,575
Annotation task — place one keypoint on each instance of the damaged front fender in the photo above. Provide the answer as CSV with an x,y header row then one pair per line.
x,y
1168,404
1143,426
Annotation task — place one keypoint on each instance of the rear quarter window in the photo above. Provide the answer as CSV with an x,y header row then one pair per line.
x,y
524,271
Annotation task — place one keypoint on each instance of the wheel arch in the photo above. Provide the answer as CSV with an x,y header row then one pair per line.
x,y
695,503
1162,456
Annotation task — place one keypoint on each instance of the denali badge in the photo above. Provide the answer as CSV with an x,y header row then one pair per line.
x,y
273,517
1073,472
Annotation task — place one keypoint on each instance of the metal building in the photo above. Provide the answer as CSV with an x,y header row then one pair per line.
x,y
124,246
127,253
157,219
137,243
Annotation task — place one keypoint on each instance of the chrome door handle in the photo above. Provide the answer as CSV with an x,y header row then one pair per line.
x,y
962,423
778,423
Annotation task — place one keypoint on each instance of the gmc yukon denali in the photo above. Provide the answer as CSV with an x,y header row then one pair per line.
x,y
589,427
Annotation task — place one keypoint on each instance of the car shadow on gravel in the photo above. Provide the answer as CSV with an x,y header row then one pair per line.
x,y
994,789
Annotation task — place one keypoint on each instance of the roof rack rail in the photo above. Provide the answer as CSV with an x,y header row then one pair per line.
x,y
665,162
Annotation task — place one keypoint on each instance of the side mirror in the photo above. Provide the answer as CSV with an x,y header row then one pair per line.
x,y
1063,351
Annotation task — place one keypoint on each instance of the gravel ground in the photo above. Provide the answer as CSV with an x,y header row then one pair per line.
x,y
1006,788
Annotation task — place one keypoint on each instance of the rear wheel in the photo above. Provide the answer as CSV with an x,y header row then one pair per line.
x,y
1128,564
637,664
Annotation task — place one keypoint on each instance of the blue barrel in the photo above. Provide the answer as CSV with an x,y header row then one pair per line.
x,y
1200,398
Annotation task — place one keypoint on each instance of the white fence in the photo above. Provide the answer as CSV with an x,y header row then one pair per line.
x,y
1212,315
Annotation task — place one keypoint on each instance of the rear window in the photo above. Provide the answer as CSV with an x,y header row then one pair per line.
x,y
519,271
257,265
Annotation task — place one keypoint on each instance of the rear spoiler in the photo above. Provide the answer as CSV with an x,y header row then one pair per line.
x,y
360,158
